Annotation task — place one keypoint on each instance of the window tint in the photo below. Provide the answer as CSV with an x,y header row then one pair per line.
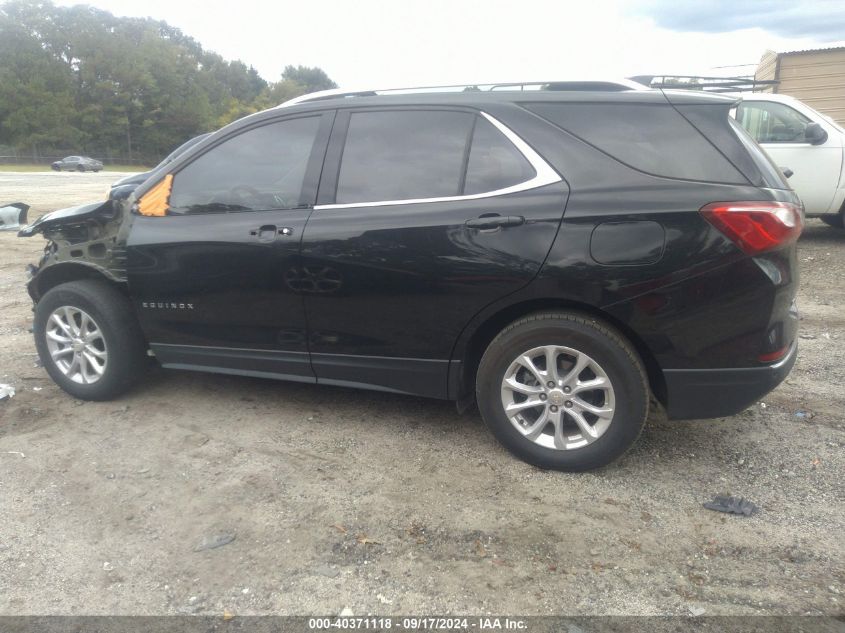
x,y
655,139
401,155
494,162
769,122
262,168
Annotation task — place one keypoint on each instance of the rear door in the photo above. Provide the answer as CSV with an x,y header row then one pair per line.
x,y
214,279
424,217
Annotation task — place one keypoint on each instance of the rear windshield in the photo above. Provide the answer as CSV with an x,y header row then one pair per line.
x,y
654,139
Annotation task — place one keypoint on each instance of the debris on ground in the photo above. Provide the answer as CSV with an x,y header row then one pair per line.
x,y
214,541
6,391
732,505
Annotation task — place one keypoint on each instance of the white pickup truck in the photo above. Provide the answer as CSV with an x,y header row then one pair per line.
x,y
804,142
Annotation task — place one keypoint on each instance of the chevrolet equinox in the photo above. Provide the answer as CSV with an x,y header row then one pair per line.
x,y
562,257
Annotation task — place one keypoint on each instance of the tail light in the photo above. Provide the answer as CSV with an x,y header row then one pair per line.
x,y
756,226
771,357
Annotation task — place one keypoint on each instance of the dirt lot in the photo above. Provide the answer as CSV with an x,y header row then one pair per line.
x,y
396,505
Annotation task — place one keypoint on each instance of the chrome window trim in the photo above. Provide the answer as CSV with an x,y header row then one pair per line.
x,y
543,175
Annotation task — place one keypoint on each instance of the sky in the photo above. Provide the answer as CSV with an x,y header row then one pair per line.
x,y
377,43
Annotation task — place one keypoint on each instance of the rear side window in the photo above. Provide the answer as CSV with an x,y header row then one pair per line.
x,y
654,139
402,155
421,154
260,169
494,162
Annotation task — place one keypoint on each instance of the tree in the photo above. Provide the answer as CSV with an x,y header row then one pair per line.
x,y
135,87
311,79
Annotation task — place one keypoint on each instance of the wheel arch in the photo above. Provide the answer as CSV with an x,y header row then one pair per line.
x,y
63,272
462,385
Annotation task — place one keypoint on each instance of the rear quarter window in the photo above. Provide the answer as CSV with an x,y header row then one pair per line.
x,y
654,139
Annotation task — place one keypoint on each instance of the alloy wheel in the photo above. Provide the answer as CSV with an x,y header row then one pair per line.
x,y
76,345
558,397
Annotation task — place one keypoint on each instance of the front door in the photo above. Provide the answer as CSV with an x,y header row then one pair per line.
x,y
425,216
211,279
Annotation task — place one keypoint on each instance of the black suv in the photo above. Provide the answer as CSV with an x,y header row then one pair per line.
x,y
556,256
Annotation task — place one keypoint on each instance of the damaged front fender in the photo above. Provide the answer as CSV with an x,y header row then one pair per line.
x,y
13,216
82,241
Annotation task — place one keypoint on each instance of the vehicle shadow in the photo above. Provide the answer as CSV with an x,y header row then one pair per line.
x,y
341,410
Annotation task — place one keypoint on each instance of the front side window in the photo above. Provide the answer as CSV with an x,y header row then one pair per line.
x,y
418,155
770,122
260,169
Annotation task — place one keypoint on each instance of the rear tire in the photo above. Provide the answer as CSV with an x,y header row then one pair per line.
x,y
836,221
595,409
89,340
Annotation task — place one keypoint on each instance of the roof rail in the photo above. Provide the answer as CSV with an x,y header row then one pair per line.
x,y
612,85
745,83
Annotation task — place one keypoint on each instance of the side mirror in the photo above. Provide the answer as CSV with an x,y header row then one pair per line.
x,y
815,134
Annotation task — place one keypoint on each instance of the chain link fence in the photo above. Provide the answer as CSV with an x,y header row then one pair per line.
x,y
12,156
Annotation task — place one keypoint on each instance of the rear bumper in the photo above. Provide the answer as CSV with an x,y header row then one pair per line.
x,y
715,393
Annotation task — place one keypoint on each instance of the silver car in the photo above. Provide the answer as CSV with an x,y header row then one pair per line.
x,y
77,163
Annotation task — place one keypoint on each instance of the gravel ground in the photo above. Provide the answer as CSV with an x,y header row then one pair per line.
x,y
320,499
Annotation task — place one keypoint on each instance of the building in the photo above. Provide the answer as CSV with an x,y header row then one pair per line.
x,y
816,77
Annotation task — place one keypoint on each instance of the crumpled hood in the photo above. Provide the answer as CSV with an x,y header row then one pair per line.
x,y
71,215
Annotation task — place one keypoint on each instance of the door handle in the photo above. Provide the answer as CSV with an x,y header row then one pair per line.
x,y
488,222
268,232
265,233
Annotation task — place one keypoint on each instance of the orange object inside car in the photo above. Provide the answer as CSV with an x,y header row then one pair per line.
x,y
156,201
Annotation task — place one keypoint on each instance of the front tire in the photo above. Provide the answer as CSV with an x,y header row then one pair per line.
x,y
563,391
88,339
